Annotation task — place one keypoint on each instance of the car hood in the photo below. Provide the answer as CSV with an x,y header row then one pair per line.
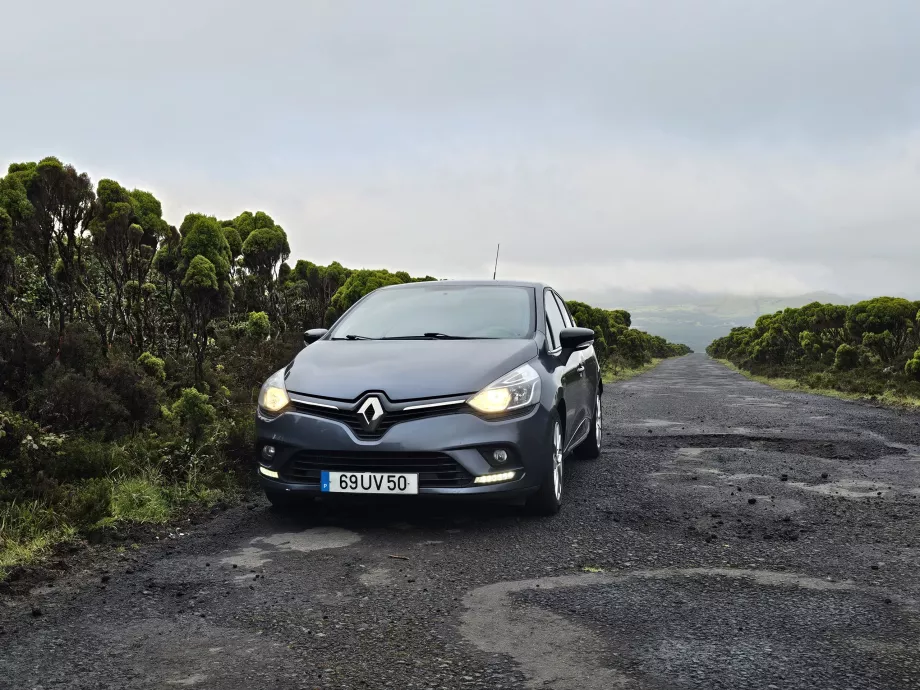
x,y
404,369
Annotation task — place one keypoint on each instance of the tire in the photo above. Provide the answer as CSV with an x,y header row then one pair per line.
x,y
548,498
590,448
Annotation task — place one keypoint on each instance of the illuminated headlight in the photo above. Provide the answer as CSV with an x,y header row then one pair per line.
x,y
516,389
494,478
271,474
273,397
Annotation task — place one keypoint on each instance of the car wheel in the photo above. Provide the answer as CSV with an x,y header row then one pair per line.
x,y
548,498
590,448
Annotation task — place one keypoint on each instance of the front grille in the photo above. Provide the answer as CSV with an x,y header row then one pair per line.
x,y
390,417
435,470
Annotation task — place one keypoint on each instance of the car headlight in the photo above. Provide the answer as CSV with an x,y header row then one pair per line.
x,y
516,389
274,397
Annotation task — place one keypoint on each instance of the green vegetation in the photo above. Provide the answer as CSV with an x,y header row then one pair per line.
x,y
132,351
618,345
626,373
867,350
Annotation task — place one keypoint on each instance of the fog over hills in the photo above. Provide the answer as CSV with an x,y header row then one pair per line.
x,y
696,318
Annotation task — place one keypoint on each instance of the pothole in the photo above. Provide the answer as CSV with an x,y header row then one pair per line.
x,y
709,627
255,555
846,488
831,449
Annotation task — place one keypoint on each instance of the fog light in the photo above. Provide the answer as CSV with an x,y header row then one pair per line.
x,y
268,473
494,478
500,456
268,452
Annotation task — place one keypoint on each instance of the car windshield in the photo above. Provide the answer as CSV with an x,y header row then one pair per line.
x,y
441,311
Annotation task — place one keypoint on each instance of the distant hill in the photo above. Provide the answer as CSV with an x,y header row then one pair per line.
x,y
696,319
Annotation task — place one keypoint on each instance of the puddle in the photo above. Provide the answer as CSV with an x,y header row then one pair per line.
x,y
846,488
375,577
657,423
191,680
254,555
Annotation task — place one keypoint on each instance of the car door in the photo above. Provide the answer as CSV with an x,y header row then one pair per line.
x,y
582,396
589,368
570,374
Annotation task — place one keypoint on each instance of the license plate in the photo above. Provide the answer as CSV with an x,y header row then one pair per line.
x,y
369,483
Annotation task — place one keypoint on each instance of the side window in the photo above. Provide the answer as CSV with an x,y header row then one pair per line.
x,y
554,322
566,316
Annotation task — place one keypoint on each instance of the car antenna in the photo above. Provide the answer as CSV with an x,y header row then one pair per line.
x,y
495,272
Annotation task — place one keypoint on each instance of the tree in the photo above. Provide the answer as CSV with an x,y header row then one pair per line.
x,y
263,252
205,270
308,291
202,292
126,228
203,236
7,264
360,283
846,357
49,204
264,248
894,315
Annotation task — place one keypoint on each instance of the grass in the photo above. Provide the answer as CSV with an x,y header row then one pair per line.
x,y
140,499
787,384
611,376
28,532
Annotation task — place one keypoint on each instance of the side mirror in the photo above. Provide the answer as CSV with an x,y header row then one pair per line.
x,y
313,335
575,338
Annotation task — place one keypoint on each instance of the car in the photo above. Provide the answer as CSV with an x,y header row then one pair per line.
x,y
438,388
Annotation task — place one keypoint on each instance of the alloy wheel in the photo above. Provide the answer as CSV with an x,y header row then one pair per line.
x,y
597,420
557,461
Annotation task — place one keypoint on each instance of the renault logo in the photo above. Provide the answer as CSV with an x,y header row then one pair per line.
x,y
370,413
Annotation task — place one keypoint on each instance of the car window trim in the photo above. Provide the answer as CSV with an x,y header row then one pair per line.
x,y
549,329
564,310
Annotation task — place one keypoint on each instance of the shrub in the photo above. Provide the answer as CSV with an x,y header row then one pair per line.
x,y
84,458
88,502
194,412
882,344
818,381
154,367
912,368
81,348
847,357
258,326
137,392
70,401
239,445
24,354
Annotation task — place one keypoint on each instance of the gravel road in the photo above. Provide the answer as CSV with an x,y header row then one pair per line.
x,y
730,536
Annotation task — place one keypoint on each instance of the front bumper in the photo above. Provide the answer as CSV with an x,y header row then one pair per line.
x,y
455,439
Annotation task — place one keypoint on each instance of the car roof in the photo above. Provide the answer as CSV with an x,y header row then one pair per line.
x,y
472,283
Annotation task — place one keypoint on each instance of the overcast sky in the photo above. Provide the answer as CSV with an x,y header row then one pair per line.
x,y
768,146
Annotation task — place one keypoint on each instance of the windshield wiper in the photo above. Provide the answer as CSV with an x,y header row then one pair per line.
x,y
431,336
352,336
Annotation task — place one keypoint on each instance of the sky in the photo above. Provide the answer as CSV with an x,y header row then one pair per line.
x,y
765,147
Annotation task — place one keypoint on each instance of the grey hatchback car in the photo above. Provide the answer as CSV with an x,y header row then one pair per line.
x,y
443,388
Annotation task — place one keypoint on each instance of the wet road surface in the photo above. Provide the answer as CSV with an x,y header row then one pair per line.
x,y
730,536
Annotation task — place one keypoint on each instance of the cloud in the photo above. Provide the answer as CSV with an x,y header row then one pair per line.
x,y
719,218
770,146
